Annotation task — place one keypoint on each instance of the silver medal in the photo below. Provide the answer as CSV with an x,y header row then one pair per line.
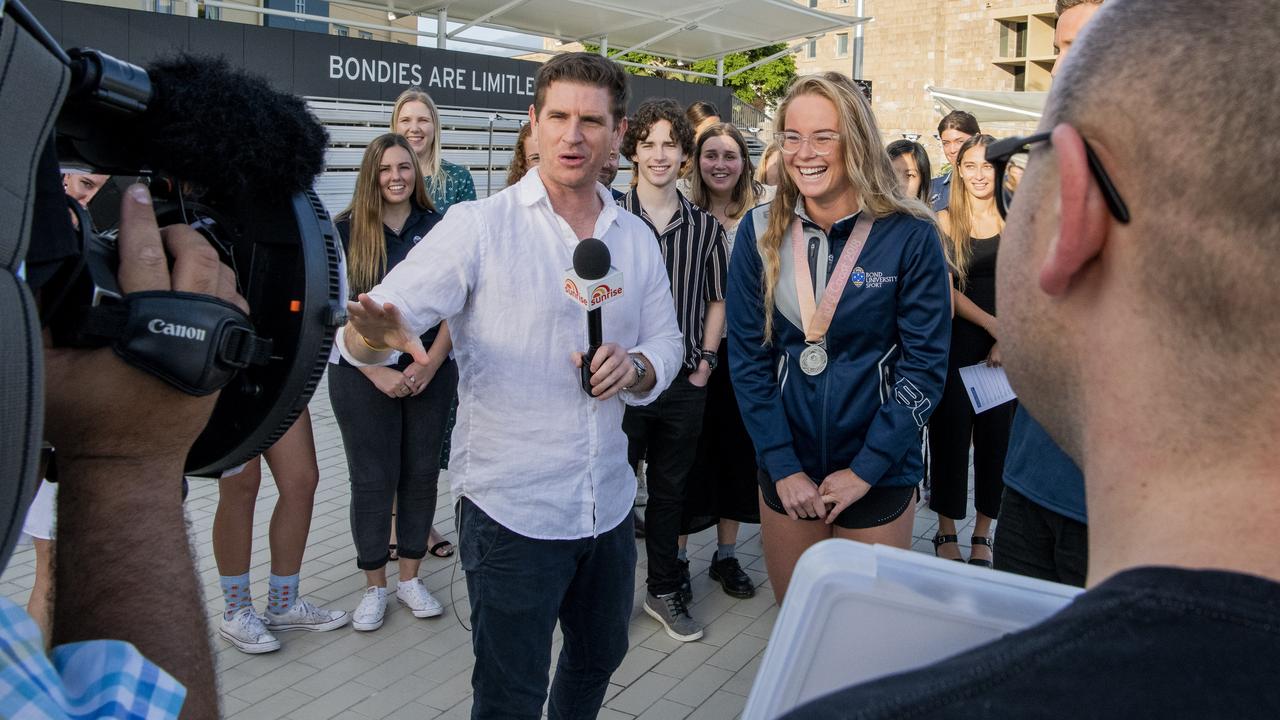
x,y
813,360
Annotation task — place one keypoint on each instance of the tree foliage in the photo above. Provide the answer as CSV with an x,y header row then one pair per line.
x,y
759,87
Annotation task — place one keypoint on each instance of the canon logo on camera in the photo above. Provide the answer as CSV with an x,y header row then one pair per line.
x,y
160,327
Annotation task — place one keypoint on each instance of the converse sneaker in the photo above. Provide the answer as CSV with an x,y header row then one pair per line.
x,y
372,609
731,577
305,616
670,610
246,631
413,595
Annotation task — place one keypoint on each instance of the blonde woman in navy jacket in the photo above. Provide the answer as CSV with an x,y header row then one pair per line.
x,y
840,450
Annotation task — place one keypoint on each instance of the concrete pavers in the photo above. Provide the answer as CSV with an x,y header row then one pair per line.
x,y
420,669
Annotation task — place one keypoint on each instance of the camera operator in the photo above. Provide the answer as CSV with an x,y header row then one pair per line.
x,y
122,436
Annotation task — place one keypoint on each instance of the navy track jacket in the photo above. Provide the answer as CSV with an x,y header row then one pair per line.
x,y
887,348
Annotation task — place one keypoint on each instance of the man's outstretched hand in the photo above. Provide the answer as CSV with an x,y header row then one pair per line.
x,y
379,327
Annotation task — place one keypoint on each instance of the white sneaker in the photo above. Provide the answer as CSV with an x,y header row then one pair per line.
x,y
372,609
414,596
305,616
246,631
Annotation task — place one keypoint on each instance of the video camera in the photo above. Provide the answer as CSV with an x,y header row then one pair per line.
x,y
232,158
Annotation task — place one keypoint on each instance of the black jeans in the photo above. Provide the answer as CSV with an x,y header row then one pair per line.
x,y
393,454
952,427
665,435
1037,542
518,588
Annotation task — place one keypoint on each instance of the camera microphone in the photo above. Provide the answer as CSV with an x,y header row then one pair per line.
x,y
196,119
592,283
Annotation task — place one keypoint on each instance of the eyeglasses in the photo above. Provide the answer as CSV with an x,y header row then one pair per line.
x,y
821,143
1013,152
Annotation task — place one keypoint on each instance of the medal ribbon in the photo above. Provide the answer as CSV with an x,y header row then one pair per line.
x,y
817,320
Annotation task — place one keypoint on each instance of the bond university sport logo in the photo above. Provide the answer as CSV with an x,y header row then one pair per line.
x,y
870,279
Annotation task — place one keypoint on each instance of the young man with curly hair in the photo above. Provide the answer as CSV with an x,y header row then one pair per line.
x,y
666,432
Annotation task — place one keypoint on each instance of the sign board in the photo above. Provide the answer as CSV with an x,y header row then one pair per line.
x,y
321,65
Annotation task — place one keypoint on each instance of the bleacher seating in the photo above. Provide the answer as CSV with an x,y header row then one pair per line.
x,y
480,141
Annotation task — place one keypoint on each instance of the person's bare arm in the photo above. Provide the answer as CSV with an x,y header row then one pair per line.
x,y
122,437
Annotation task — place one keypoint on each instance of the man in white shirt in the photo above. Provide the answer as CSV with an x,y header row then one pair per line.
x,y
538,467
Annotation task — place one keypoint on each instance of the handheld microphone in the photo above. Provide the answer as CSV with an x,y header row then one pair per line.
x,y
592,283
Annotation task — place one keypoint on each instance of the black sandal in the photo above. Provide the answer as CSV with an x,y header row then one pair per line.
x,y
447,552
981,540
391,552
940,540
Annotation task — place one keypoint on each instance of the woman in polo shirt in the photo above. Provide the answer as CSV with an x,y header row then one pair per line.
x,y
836,380
392,418
415,116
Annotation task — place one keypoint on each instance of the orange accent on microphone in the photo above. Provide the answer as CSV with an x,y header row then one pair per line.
x,y
295,306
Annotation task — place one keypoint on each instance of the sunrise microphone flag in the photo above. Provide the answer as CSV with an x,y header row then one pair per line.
x,y
592,283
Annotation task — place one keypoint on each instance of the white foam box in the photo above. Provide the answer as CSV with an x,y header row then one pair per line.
x,y
856,612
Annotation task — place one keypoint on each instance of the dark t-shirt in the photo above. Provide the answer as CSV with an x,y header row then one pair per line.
x,y
1148,643
416,227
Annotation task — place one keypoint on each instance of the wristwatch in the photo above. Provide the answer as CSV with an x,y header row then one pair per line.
x,y
641,371
712,358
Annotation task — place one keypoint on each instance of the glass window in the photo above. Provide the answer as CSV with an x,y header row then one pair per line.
x,y
842,44
1013,38
164,6
211,12
811,51
299,6
366,35
341,30
813,3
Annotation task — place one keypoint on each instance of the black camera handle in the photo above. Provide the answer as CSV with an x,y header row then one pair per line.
x,y
196,343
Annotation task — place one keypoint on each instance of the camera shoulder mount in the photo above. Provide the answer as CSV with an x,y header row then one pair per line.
x,y
196,343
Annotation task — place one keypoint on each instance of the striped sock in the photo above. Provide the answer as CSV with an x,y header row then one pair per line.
x,y
282,593
236,593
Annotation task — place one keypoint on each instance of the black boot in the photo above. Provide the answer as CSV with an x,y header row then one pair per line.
x,y
729,574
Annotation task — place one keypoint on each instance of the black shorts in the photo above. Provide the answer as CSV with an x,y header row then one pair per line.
x,y
880,506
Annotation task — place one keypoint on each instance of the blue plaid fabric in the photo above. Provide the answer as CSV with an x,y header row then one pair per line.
x,y
95,679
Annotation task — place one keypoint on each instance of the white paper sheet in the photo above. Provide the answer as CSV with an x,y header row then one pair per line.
x,y
986,386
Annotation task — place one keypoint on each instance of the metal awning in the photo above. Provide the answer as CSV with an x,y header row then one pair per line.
x,y
992,106
685,30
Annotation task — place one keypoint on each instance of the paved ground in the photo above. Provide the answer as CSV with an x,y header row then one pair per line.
x,y
421,669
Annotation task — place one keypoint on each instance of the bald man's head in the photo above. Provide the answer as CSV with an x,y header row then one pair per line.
x,y
1180,98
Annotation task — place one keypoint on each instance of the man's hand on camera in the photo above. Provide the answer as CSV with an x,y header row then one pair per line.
x,y
96,404
122,438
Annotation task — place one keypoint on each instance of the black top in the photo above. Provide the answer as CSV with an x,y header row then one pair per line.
x,y
693,249
980,281
1148,643
416,227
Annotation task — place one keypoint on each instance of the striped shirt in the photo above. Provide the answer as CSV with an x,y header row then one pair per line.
x,y
693,248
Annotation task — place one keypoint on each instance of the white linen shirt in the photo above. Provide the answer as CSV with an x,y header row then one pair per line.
x,y
530,448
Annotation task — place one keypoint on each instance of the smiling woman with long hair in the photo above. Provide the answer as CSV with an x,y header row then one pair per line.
x,y
836,393
392,417
973,226
416,118
722,486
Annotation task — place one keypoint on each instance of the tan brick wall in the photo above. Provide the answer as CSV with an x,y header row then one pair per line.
x,y
914,43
